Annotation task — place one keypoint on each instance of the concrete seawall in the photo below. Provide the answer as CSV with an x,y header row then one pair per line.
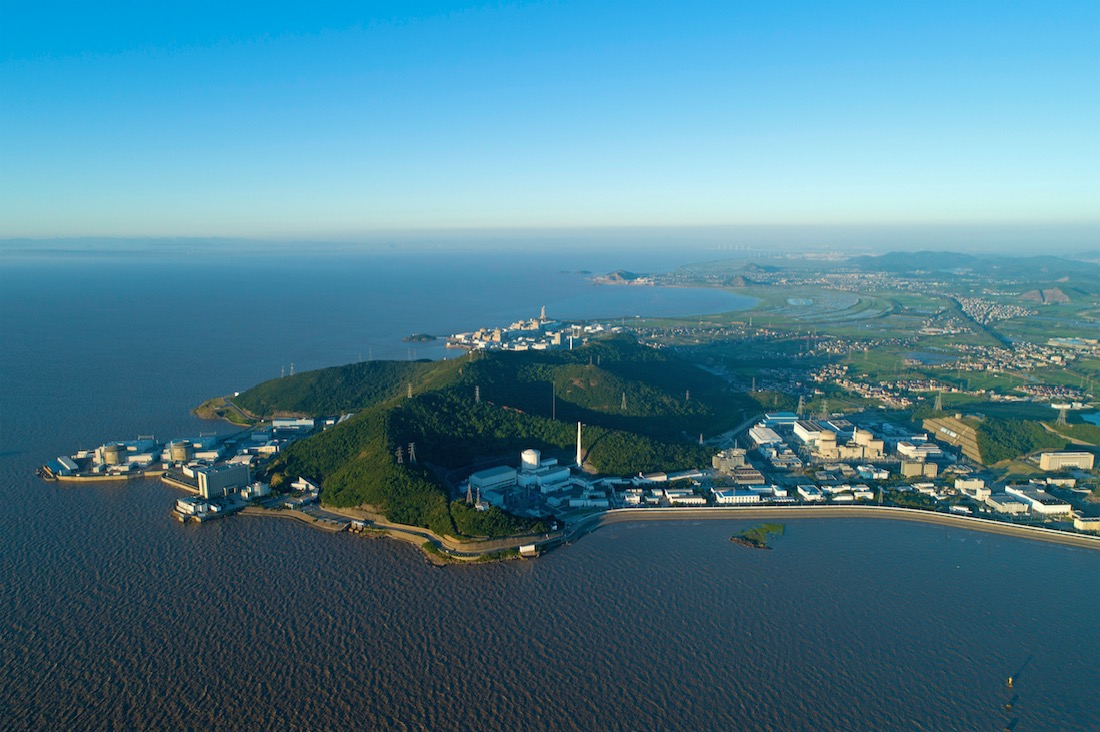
x,y
876,512
294,516
107,478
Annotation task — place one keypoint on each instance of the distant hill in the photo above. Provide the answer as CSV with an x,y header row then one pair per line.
x,y
620,277
1045,268
667,401
1053,295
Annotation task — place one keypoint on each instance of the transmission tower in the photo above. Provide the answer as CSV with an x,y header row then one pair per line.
x,y
292,368
939,401
623,407
687,395
412,452
477,394
400,456
801,405
1062,417
469,494
409,391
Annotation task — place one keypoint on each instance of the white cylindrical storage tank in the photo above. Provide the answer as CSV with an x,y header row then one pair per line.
x,y
180,452
114,454
529,460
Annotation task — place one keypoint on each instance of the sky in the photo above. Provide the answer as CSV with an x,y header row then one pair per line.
x,y
332,119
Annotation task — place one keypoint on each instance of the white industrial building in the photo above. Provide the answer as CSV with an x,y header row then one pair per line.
x,y
305,485
684,497
810,493
1063,460
919,451
761,435
1004,503
1086,523
590,499
255,490
919,468
870,472
296,425
863,493
63,466
811,433
735,496
190,506
218,481
549,478
780,419
494,478
1041,502
973,487
842,427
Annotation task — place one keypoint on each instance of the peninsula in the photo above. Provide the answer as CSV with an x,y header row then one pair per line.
x,y
906,398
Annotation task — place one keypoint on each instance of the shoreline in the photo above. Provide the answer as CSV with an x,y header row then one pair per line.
x,y
589,524
1037,533
457,551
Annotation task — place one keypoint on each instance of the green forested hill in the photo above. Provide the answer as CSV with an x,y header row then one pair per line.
x,y
1008,439
340,389
667,401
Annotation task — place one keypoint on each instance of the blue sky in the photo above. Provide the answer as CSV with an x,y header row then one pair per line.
x,y
334,119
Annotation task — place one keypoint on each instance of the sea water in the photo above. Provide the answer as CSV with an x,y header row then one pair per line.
x,y
112,615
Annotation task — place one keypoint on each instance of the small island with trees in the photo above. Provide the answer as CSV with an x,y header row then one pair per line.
x,y
758,536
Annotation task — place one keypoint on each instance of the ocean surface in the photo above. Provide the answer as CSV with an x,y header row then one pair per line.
x,y
114,616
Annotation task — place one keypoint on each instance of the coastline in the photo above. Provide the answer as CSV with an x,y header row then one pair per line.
x,y
619,515
449,550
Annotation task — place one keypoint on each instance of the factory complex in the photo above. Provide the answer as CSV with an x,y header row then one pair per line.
x,y
536,334
846,464
217,470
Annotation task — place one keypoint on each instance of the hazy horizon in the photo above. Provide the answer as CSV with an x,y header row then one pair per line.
x,y
747,241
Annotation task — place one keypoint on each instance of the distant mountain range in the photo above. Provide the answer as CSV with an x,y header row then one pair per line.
x,y
1041,267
